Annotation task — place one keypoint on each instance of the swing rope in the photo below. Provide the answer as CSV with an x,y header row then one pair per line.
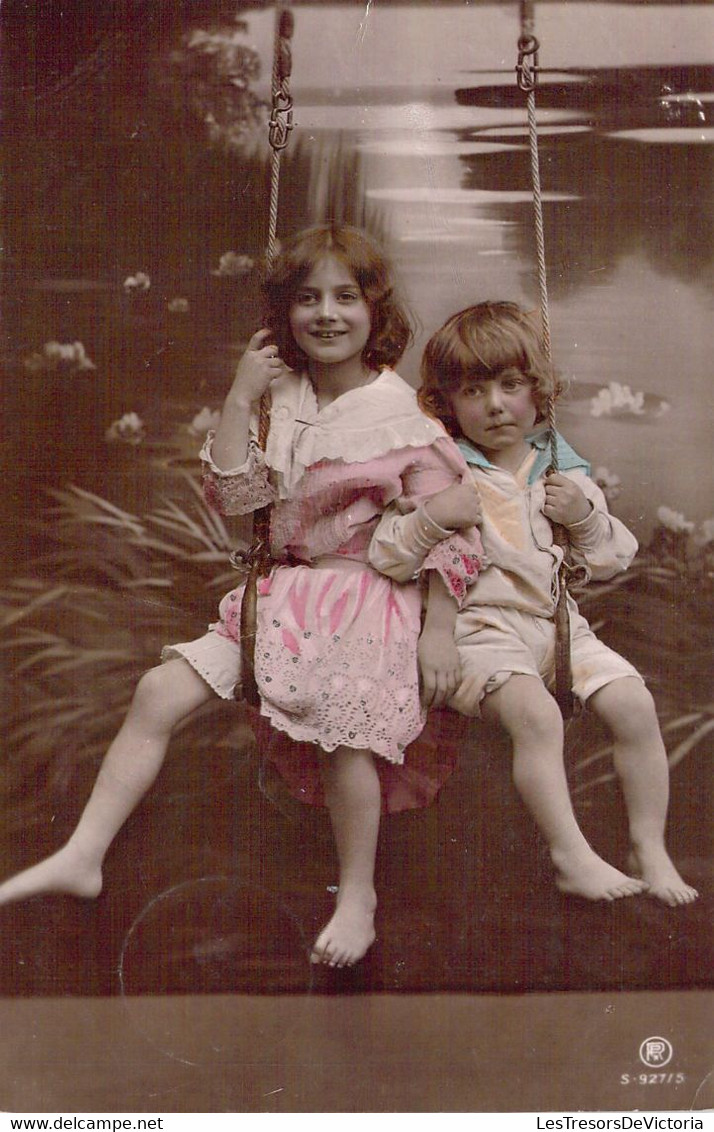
x,y
527,77
279,126
257,558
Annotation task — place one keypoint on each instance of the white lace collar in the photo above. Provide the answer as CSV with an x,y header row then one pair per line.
x,y
358,426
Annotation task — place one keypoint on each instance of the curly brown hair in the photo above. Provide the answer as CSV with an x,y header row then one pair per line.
x,y
478,343
390,332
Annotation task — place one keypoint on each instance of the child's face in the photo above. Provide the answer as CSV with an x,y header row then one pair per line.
x,y
496,413
329,318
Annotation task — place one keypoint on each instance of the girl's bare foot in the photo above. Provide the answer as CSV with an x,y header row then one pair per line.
x,y
68,871
587,875
655,866
348,935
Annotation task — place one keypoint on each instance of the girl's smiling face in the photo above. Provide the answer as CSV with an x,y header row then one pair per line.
x,y
329,317
496,414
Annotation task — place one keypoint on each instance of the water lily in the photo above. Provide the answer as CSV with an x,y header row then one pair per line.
x,y
178,305
609,483
674,521
617,398
55,355
232,265
129,429
204,420
137,284
705,534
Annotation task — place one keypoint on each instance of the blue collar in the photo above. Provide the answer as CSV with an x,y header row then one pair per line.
x,y
567,457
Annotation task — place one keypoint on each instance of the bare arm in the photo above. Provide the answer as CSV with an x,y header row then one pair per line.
x,y
438,658
259,365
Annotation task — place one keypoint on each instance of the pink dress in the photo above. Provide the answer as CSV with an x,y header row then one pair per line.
x,y
336,642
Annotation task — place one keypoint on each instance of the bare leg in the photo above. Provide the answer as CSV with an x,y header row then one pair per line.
x,y
353,798
640,760
163,697
531,717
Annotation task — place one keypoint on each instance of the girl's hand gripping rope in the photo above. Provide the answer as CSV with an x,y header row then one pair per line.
x,y
260,364
258,367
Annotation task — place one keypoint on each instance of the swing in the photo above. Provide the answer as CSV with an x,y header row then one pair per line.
x,y
527,78
257,558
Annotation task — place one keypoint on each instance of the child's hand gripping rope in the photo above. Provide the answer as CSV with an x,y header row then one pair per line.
x,y
565,503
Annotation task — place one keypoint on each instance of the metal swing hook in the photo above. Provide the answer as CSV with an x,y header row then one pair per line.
x,y
281,121
244,560
527,66
281,117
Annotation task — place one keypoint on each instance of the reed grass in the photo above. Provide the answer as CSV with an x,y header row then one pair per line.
x,y
659,615
92,611
88,616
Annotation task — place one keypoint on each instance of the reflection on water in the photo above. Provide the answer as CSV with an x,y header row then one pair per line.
x,y
625,98
626,174
437,161
631,195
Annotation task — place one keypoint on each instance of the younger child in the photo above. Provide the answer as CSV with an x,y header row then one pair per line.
x,y
336,642
485,375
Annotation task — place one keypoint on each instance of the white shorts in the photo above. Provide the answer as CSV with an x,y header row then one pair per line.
x,y
496,643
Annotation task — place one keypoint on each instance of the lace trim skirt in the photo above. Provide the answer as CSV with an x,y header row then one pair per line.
x,y
335,665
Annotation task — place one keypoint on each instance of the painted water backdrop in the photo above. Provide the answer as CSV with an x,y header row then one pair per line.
x,y
135,228
407,117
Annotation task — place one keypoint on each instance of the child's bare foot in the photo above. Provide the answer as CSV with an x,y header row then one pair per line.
x,y
655,866
348,935
66,871
587,875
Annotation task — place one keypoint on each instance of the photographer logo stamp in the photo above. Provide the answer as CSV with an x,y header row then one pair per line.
x,y
656,1052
